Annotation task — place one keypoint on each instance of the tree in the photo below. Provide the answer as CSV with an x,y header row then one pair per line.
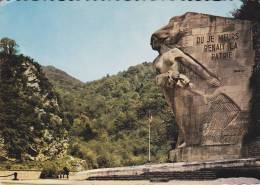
x,y
249,10
3,152
8,46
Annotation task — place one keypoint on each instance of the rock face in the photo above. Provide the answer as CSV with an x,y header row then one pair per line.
x,y
31,123
205,64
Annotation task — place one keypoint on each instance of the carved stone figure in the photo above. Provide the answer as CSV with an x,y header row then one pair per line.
x,y
170,76
204,68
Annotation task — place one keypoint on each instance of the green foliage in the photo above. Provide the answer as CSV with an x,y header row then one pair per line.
x,y
15,111
50,170
8,46
109,118
21,125
249,10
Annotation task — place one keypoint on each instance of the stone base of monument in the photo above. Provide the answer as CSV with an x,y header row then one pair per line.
x,y
252,149
216,152
200,170
205,153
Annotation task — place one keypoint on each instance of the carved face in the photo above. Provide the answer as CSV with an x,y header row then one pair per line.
x,y
166,38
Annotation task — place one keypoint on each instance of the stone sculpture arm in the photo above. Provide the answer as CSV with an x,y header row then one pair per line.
x,y
169,63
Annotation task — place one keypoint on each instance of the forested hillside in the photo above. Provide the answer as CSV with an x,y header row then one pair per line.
x,y
32,126
109,117
47,115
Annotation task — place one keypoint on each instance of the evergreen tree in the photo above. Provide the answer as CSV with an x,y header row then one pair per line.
x,y
249,10
8,46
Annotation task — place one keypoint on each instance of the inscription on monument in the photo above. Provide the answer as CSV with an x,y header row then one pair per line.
x,y
219,46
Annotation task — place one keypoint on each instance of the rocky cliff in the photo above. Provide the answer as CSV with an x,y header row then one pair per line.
x,y
32,126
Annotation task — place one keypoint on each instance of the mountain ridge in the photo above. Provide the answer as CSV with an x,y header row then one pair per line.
x,y
54,73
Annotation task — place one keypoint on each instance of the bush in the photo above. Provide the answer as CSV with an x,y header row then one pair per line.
x,y
50,170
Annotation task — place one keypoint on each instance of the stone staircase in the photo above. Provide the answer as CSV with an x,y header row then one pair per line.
x,y
186,175
192,175
161,176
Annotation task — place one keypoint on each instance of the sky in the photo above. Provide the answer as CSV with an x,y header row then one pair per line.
x,y
90,39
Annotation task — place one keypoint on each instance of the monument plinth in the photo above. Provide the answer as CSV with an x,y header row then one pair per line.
x,y
204,68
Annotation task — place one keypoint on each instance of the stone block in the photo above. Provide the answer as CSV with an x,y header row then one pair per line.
x,y
211,95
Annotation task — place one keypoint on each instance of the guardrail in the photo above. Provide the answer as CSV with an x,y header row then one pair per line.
x,y
15,174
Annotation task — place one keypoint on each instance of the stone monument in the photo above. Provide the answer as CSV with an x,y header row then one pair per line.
x,y
204,68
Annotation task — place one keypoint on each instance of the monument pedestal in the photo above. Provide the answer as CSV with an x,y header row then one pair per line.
x,y
205,153
247,167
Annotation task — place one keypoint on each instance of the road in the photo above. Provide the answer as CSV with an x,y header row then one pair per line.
x,y
228,181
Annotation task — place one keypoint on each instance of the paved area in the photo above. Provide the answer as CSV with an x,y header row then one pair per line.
x,y
227,181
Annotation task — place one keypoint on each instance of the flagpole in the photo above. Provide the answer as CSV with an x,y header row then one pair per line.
x,y
149,154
